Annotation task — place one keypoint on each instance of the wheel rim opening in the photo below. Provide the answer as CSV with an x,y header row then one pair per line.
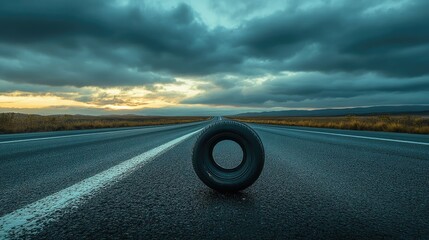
x,y
227,154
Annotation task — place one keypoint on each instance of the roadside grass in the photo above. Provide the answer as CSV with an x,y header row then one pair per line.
x,y
21,123
385,123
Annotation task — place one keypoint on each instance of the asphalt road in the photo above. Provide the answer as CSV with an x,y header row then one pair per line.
x,y
139,183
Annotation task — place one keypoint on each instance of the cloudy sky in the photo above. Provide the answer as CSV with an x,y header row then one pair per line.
x,y
211,57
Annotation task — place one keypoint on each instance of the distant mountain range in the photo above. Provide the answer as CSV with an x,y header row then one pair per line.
x,y
393,110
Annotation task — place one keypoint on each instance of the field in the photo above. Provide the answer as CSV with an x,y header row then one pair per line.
x,y
386,123
19,123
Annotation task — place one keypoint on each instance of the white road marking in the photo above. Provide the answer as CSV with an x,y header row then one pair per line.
x,y
72,135
357,136
33,217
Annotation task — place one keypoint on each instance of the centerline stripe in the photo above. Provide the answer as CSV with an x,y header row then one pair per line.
x,y
33,217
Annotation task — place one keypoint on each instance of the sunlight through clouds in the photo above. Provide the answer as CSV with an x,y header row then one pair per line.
x,y
116,98
20,100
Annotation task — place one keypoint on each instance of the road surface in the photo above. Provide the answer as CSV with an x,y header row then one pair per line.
x,y
139,183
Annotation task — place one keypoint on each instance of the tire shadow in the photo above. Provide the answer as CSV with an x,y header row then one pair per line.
x,y
214,198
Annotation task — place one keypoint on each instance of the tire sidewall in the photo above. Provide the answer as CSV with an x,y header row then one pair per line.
x,y
228,179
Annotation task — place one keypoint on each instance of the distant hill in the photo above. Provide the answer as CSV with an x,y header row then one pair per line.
x,y
393,110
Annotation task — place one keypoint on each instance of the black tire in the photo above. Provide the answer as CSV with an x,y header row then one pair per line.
x,y
222,179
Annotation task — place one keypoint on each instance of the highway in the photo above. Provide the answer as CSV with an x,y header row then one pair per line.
x,y
139,183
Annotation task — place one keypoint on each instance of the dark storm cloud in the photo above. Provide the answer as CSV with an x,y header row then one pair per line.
x,y
348,49
319,88
77,69
329,37
67,35
343,37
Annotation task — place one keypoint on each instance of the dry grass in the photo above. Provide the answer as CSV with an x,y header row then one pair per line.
x,y
385,123
18,123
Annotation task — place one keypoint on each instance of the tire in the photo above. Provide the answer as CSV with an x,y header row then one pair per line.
x,y
222,179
